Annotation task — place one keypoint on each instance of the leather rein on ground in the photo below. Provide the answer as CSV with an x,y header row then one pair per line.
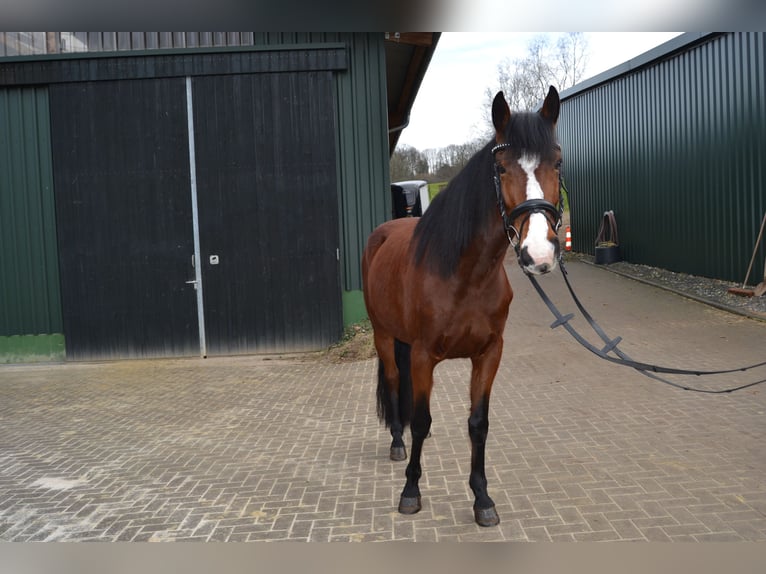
x,y
622,358
555,213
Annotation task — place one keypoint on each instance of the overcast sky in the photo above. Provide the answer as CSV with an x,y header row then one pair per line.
x,y
448,108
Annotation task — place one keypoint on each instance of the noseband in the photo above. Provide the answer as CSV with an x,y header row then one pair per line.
x,y
525,209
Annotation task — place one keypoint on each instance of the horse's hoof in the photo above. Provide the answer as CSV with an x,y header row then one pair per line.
x,y
398,453
409,504
486,516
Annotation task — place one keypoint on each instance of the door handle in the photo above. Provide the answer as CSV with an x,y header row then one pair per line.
x,y
192,282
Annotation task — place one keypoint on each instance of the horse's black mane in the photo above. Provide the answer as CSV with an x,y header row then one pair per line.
x,y
464,207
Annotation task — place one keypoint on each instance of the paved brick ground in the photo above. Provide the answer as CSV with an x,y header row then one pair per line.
x,y
240,449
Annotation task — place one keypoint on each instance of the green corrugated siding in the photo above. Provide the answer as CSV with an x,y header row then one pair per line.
x,y
29,284
362,149
30,301
677,150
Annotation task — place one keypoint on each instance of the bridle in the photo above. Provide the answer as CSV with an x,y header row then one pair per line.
x,y
525,209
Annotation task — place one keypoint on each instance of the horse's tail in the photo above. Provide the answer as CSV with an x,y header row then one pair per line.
x,y
391,404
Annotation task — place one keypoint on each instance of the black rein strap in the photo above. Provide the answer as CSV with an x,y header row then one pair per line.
x,y
555,214
611,345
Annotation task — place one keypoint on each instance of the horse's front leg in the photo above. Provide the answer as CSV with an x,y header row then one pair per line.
x,y
482,375
422,369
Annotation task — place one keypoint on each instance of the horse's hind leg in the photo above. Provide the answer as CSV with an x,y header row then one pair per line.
x,y
388,394
422,381
482,376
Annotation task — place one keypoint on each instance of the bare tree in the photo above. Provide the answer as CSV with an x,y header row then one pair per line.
x,y
572,52
444,163
433,164
407,163
525,80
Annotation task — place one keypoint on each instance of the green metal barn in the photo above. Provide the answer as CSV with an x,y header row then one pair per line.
x,y
674,142
182,194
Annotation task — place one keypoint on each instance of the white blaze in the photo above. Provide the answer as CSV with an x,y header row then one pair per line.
x,y
538,247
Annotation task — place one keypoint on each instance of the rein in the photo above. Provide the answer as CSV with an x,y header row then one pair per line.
x,y
622,358
555,215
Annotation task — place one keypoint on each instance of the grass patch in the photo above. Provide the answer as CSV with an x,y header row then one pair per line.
x,y
435,188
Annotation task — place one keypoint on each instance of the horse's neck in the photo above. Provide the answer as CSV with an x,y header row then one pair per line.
x,y
486,253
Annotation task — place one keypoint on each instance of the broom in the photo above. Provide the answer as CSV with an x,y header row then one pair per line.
x,y
761,287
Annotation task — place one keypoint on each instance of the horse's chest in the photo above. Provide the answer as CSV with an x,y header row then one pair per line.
x,y
463,319
465,337
469,332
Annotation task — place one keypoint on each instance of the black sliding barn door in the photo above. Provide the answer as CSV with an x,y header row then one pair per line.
x,y
121,176
268,208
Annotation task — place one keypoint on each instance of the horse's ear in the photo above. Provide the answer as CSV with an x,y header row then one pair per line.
x,y
501,113
550,109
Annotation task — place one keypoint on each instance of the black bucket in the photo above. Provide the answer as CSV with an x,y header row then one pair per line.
x,y
607,243
607,254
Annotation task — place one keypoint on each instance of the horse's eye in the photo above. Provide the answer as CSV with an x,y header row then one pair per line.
x,y
558,164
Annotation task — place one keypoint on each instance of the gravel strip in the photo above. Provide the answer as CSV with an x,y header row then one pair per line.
x,y
710,291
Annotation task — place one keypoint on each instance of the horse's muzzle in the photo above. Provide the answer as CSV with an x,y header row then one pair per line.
x,y
539,261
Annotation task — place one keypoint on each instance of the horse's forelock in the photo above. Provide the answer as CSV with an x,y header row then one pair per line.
x,y
530,133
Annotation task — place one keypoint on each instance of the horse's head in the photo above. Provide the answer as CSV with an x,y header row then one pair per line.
x,y
528,159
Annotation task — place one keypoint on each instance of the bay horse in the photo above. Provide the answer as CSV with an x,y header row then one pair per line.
x,y
435,287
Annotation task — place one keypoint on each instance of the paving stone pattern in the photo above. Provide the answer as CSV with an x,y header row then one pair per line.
x,y
255,449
